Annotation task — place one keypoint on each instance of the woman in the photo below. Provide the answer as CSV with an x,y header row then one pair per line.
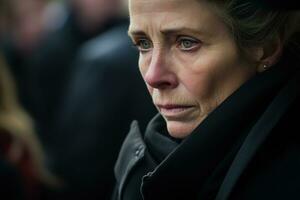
x,y
21,158
224,76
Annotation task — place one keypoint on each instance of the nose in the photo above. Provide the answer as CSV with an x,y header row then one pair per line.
x,y
159,73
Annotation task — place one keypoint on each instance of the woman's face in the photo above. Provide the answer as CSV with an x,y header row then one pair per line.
x,y
188,59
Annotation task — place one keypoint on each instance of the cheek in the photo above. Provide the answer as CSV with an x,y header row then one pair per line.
x,y
143,69
198,75
199,85
143,65
150,90
215,75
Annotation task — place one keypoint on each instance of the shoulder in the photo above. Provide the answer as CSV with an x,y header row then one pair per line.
x,y
110,55
273,172
112,43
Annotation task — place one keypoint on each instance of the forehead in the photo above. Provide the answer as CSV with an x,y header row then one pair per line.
x,y
147,6
149,15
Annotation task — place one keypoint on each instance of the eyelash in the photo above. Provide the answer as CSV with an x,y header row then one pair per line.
x,y
138,45
194,42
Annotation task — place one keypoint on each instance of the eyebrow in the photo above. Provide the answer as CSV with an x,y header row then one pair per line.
x,y
135,32
168,31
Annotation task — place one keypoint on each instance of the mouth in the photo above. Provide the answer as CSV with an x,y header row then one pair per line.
x,y
175,111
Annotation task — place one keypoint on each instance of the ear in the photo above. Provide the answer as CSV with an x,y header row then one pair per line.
x,y
269,54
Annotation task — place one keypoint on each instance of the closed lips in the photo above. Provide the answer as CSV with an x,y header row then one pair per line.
x,y
171,108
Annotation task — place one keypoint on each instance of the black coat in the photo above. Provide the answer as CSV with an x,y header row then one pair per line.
x,y
247,148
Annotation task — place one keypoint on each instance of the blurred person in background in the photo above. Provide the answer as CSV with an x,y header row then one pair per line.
x,y
22,164
24,24
24,28
104,94
81,112
52,64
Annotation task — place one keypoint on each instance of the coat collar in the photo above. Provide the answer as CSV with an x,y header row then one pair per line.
x,y
258,134
158,141
202,160
132,151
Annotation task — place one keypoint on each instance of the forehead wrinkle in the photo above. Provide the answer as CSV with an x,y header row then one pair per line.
x,y
171,27
150,6
167,21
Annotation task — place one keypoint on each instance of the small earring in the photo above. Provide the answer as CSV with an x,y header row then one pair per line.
x,y
262,68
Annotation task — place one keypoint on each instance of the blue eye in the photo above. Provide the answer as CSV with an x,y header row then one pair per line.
x,y
143,45
187,44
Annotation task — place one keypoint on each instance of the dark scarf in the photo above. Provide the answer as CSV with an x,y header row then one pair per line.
x,y
196,167
158,141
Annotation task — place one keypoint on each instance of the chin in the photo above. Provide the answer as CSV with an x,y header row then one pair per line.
x,y
180,130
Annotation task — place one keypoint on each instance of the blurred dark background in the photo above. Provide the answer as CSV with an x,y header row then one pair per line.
x,y
76,76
